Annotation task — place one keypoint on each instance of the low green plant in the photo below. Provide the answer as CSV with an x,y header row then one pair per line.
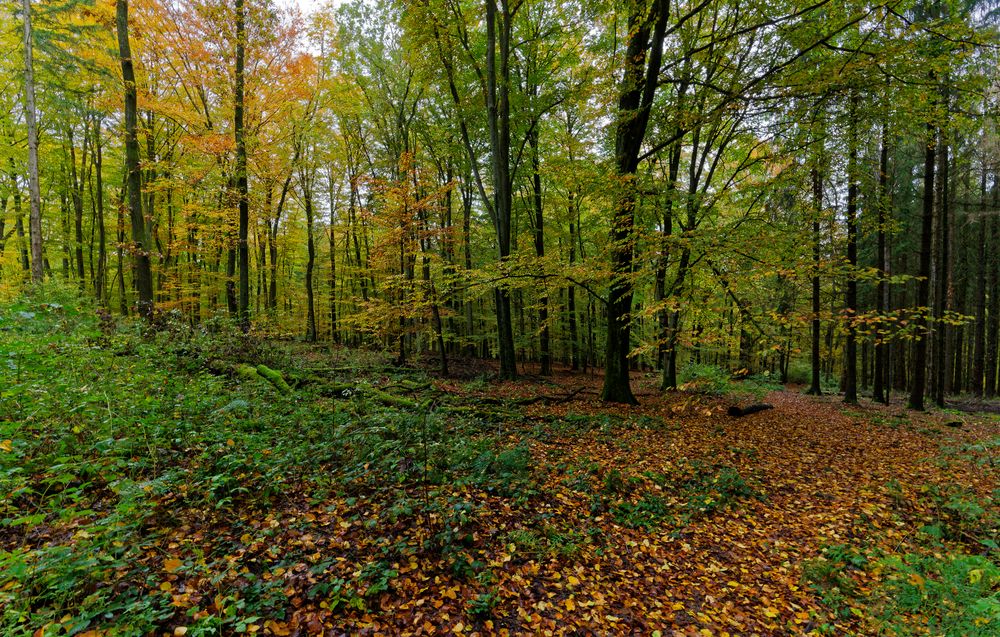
x,y
955,595
704,379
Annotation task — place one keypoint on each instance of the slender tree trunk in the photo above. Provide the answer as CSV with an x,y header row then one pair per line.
x,y
22,245
919,366
142,271
76,194
545,355
470,323
102,244
34,193
334,332
976,382
881,390
815,387
241,170
993,311
942,294
851,291
574,338
311,261
668,319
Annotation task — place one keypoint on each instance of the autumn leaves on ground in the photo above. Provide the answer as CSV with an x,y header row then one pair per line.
x,y
168,482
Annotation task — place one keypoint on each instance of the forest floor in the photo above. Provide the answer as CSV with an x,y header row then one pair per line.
x,y
155,484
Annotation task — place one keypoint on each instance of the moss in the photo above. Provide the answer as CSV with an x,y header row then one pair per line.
x,y
275,378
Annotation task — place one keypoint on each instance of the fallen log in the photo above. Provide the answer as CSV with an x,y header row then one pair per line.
x,y
736,411
274,377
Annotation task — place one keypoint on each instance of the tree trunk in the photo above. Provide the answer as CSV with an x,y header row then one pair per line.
x,y
993,312
941,297
919,365
498,109
851,291
22,245
334,333
637,90
817,194
545,355
574,338
76,194
142,271
881,389
102,245
976,383
307,203
34,193
241,171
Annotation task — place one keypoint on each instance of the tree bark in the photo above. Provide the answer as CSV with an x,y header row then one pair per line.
x,y
817,195
976,381
638,88
142,271
919,365
851,289
545,355
881,388
241,170
498,109
34,193
942,294
307,201
102,249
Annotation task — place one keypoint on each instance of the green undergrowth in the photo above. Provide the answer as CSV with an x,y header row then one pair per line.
x,y
945,580
715,381
113,433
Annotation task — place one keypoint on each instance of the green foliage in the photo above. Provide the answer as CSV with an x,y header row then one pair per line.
x,y
704,379
546,541
715,381
699,490
962,515
98,418
957,595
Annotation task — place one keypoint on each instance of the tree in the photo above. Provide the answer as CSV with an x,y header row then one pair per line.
x,y
641,66
34,193
140,238
241,168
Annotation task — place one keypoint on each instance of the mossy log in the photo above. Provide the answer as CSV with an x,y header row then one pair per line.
x,y
274,377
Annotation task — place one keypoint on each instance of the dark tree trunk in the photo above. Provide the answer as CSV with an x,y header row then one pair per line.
x,y
76,194
102,247
881,389
334,332
241,170
470,324
498,108
574,338
851,291
34,193
307,203
545,355
638,87
817,195
976,383
993,312
669,317
142,272
22,245
919,365
943,292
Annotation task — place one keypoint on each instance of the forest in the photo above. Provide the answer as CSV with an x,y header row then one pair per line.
x,y
660,317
